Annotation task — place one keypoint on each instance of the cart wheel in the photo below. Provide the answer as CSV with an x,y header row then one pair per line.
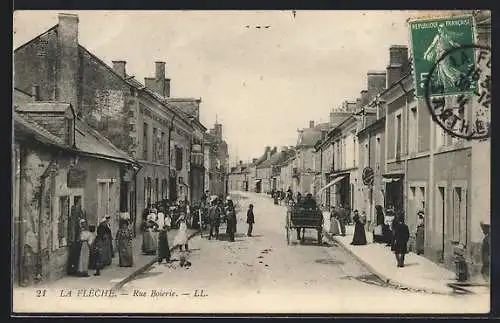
x,y
320,236
287,235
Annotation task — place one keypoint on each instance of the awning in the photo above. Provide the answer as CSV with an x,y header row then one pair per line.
x,y
258,180
333,182
392,177
390,180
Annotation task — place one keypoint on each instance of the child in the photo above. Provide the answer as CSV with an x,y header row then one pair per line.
x,y
250,220
163,247
95,252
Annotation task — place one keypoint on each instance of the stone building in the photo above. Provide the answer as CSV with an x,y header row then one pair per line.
x,y
238,177
58,162
216,161
138,119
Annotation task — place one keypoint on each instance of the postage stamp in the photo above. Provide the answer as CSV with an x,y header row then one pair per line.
x,y
466,115
453,75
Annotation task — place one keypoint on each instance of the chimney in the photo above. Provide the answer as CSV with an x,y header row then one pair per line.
x,y
241,162
376,83
160,71
398,55
311,124
254,160
34,93
119,68
67,74
398,63
167,88
284,148
358,104
364,98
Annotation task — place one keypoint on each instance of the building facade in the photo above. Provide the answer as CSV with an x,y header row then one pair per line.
x,y
136,118
216,162
59,162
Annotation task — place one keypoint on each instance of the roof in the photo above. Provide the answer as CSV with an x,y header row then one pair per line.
x,y
43,107
91,141
87,140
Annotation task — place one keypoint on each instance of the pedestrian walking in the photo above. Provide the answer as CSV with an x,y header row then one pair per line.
x,y
485,252
420,233
86,238
250,220
181,239
124,237
163,247
401,237
359,237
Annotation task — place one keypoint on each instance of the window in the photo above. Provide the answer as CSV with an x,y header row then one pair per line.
x,y
366,156
145,141
377,153
440,136
413,131
163,156
421,204
62,221
459,215
157,189
178,158
155,148
398,136
145,191
354,150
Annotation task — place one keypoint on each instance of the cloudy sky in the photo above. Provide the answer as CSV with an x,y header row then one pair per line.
x,y
263,84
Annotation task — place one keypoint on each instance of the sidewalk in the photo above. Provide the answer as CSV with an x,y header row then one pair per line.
x,y
112,276
419,272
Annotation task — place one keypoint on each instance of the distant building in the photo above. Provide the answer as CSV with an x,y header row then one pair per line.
x,y
216,161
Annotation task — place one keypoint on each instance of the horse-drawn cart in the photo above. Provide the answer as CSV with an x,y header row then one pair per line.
x,y
300,218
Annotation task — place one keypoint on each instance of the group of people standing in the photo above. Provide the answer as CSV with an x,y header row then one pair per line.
x,y
91,248
219,211
156,225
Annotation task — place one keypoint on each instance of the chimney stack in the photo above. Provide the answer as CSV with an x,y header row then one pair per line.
x,y
364,98
241,162
254,160
311,124
160,71
67,74
119,68
167,88
376,83
34,93
398,63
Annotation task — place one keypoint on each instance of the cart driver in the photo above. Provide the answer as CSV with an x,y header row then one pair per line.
x,y
309,202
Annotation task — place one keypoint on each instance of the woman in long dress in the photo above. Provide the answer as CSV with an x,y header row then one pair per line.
x,y
163,247
181,239
378,236
86,238
124,239
334,225
149,243
359,238
106,241
419,236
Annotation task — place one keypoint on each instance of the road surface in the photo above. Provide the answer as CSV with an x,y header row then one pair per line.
x,y
262,274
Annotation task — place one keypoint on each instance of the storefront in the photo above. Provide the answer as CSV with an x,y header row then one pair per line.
x,y
394,191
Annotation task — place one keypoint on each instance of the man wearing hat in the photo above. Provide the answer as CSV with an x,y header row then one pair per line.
x,y
420,234
214,219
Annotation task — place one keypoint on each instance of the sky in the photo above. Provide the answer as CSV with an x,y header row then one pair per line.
x,y
262,84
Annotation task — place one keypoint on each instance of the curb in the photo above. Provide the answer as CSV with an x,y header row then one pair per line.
x,y
145,267
382,277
